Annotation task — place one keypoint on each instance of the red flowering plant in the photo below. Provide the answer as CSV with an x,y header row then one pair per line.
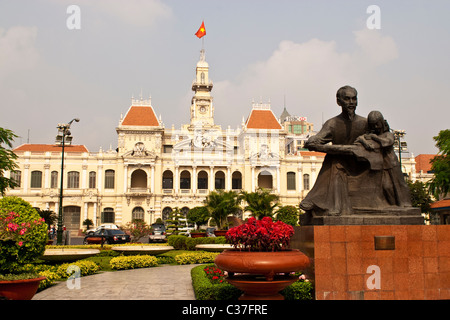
x,y
23,234
214,274
260,235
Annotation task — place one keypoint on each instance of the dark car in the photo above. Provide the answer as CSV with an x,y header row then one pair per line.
x,y
107,236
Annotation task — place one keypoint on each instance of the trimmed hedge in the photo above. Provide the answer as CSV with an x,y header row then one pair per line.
x,y
196,257
186,243
132,262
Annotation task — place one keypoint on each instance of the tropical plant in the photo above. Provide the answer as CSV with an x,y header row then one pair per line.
x,y
198,215
288,214
260,235
220,204
88,223
49,216
7,158
260,203
440,165
23,234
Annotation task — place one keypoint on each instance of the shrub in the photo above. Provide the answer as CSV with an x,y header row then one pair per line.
x,y
178,242
300,290
132,262
23,234
186,243
86,268
196,257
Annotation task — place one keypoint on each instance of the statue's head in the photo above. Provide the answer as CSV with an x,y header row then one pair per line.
x,y
376,122
347,98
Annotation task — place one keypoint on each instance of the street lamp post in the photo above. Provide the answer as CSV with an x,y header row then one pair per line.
x,y
62,137
398,135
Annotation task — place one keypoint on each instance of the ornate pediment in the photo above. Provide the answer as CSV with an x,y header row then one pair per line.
x,y
139,151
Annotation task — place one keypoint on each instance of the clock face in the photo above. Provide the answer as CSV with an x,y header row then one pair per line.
x,y
202,109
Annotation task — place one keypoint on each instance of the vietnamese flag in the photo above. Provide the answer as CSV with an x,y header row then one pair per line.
x,y
202,31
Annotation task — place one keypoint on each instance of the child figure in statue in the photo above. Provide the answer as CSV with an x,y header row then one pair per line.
x,y
379,151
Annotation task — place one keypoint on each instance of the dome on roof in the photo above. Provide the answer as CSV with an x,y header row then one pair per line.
x,y
284,115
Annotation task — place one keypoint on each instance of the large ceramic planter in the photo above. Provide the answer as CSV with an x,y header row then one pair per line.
x,y
19,289
220,233
198,234
261,275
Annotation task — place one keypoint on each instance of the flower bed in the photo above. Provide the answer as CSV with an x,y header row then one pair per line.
x,y
133,262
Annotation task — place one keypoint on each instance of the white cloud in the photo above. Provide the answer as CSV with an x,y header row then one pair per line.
x,y
307,73
17,49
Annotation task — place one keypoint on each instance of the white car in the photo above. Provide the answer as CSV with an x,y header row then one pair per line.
x,y
102,226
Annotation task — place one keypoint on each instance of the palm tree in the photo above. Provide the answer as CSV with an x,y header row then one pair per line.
x,y
260,203
221,204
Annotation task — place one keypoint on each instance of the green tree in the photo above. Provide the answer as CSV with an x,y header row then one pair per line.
x,y
7,158
260,203
220,204
198,215
288,214
88,223
440,165
420,198
174,221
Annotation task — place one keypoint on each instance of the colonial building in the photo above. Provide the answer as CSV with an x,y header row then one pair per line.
x,y
155,169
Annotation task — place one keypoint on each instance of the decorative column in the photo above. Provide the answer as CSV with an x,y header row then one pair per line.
x,y
211,178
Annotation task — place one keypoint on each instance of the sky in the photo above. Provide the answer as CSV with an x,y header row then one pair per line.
x,y
57,64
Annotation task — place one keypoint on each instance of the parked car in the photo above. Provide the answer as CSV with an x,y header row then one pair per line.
x,y
107,236
210,232
102,226
158,233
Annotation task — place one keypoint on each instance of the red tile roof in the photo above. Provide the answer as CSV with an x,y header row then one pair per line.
x,y
312,153
50,148
441,204
262,119
423,162
140,116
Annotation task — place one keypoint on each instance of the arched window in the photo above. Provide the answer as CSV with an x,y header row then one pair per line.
x,y
185,180
236,180
139,179
54,179
202,180
167,180
137,214
36,179
166,213
109,179
219,181
16,176
265,180
92,179
306,181
108,215
73,180
290,180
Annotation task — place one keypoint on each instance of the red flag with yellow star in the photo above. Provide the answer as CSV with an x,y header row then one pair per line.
x,y
201,31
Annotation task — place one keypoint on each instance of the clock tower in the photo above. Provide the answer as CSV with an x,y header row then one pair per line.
x,y
202,110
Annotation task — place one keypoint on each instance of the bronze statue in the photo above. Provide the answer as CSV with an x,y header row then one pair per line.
x,y
360,181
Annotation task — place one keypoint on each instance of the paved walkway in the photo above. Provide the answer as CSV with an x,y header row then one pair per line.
x,y
158,283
